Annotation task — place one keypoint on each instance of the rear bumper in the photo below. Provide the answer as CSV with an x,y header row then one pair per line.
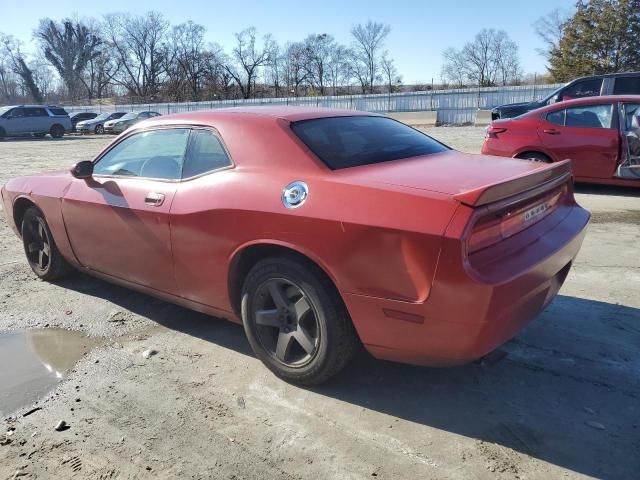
x,y
466,317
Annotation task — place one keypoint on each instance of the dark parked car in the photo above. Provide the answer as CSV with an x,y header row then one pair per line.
x,y
610,84
81,116
36,120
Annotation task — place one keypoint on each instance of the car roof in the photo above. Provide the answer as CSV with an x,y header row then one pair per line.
x,y
598,99
608,75
32,106
287,113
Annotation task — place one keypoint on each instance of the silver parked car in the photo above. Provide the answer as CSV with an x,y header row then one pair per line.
x,y
96,125
131,118
36,120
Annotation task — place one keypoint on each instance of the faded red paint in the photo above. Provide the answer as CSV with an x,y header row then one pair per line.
x,y
391,236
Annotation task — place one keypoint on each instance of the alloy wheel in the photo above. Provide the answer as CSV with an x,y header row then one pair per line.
x,y
286,322
38,244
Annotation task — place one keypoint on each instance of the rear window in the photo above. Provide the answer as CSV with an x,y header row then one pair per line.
x,y
58,111
343,142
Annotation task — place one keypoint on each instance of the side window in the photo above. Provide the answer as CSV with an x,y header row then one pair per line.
x,y
152,154
627,86
206,154
556,117
35,112
143,115
585,88
592,116
17,113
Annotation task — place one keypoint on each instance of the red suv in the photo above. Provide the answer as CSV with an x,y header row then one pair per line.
x,y
601,135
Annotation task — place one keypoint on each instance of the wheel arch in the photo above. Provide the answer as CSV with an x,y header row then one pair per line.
x,y
20,206
541,151
246,256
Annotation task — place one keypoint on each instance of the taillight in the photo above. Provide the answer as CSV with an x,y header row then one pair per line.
x,y
492,131
502,224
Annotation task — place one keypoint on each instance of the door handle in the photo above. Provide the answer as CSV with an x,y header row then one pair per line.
x,y
551,131
154,199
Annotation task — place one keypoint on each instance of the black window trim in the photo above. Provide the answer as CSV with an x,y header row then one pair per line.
x,y
224,147
564,116
189,127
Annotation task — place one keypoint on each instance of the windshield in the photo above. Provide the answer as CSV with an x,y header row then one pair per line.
x,y
343,142
102,116
129,116
554,94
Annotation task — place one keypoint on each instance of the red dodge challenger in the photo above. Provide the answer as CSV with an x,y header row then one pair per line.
x,y
316,229
601,135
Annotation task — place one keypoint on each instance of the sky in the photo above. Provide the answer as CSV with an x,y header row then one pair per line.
x,y
420,30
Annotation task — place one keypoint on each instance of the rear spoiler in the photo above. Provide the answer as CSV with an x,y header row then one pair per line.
x,y
539,181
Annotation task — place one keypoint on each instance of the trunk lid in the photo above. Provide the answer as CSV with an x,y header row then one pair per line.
x,y
471,179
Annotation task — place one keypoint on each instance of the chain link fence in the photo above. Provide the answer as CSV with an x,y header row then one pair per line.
x,y
457,106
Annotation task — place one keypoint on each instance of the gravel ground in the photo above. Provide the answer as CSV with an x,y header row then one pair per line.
x,y
563,404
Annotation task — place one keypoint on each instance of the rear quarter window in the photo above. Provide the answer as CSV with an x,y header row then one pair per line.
x,y
343,142
627,86
58,111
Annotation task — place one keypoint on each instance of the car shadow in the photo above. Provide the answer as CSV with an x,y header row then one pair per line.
x,y
568,393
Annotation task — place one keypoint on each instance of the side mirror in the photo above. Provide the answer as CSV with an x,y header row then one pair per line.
x,y
82,169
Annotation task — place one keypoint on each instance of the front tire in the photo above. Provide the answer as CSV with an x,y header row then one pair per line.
x,y
296,322
42,254
99,130
57,131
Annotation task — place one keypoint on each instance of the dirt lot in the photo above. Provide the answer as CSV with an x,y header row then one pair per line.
x,y
564,404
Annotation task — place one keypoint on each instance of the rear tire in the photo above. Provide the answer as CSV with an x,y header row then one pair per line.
x,y
42,254
535,157
99,130
296,322
57,131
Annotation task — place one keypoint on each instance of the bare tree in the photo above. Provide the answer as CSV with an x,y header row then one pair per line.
x,y
389,71
8,82
338,67
11,49
490,58
140,45
368,43
319,50
505,56
69,46
550,29
296,71
248,57
189,53
453,68
276,67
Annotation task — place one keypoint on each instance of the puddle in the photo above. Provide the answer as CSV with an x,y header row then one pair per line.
x,y
32,362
